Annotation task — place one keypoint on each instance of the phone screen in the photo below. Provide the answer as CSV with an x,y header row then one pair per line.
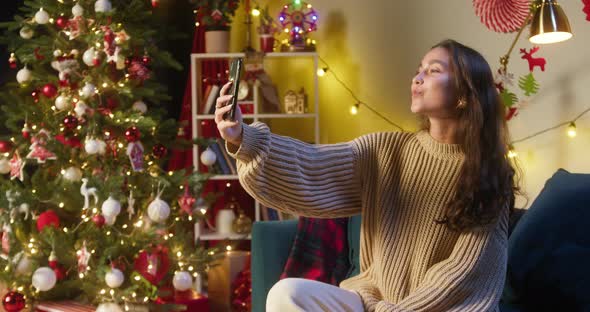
x,y
235,71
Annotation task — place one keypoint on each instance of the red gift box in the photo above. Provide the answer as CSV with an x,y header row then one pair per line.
x,y
193,301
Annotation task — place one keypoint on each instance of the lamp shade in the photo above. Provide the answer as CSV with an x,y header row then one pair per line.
x,y
549,23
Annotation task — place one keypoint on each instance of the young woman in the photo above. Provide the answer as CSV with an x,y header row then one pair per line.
x,y
434,203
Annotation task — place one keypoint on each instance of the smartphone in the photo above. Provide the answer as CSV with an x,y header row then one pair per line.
x,y
235,70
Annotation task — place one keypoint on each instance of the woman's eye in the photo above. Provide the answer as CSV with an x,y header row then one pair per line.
x,y
435,70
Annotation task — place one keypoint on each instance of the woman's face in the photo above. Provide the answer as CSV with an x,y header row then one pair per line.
x,y
432,86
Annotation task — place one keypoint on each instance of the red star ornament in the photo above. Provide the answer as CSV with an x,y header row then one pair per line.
x,y
186,202
16,167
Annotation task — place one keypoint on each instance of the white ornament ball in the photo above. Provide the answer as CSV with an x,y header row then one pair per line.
x,y
44,279
24,266
140,107
88,90
88,57
114,278
23,75
111,208
4,166
108,307
102,6
102,147
73,174
77,10
26,33
182,281
80,109
57,53
41,17
91,146
63,102
208,157
158,210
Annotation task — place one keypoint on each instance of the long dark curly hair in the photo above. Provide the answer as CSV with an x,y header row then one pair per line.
x,y
489,179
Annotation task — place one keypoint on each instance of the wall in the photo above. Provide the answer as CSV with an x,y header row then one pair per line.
x,y
376,46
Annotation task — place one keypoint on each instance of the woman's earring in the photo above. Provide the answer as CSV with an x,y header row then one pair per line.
x,y
461,104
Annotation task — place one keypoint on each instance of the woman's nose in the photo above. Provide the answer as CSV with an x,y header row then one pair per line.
x,y
417,79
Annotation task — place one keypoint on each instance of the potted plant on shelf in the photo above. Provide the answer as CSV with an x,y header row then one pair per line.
x,y
267,30
216,16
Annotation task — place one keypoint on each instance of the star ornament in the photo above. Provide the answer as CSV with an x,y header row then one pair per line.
x,y
17,166
186,202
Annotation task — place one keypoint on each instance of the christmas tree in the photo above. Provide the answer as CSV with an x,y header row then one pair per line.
x,y
88,212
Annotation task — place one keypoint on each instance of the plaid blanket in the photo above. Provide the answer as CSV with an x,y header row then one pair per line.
x,y
320,251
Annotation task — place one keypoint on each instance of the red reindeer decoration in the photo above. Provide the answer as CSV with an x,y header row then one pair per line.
x,y
533,61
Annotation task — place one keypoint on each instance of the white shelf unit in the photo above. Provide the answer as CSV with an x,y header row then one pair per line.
x,y
313,102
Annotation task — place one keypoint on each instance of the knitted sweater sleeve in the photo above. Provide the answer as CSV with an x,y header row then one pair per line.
x,y
470,279
313,180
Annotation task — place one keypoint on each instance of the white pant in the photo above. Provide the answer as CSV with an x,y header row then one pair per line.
x,y
298,294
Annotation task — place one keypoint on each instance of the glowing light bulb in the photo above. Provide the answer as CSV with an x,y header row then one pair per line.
x,y
322,71
571,130
255,12
354,109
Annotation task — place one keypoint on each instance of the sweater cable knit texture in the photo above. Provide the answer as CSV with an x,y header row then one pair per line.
x,y
400,182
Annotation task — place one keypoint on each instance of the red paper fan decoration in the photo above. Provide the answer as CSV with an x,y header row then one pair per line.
x,y
502,15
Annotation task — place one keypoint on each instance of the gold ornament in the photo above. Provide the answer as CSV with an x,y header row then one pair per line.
x,y
243,224
154,170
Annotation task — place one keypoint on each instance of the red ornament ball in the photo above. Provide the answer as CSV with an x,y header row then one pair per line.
x,y
159,151
132,134
49,90
70,122
146,60
61,22
13,301
5,146
35,95
99,220
48,218
58,269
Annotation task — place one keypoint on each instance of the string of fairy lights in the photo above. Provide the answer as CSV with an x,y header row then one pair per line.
x,y
354,109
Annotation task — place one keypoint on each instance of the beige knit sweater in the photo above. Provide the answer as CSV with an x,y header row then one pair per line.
x,y
400,183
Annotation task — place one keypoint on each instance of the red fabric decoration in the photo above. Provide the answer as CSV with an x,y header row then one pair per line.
x,y
48,218
586,9
533,61
158,259
504,16
320,251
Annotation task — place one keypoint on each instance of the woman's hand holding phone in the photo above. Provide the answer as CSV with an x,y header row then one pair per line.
x,y
230,130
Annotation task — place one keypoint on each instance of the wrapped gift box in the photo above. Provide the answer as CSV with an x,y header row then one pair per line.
x,y
221,277
64,306
190,299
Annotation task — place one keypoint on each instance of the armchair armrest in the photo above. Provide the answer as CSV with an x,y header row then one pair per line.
x,y
271,244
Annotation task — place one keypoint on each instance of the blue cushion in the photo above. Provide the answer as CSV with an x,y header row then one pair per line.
x,y
354,245
549,249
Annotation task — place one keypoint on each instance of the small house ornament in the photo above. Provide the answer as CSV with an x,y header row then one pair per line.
x,y
296,103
